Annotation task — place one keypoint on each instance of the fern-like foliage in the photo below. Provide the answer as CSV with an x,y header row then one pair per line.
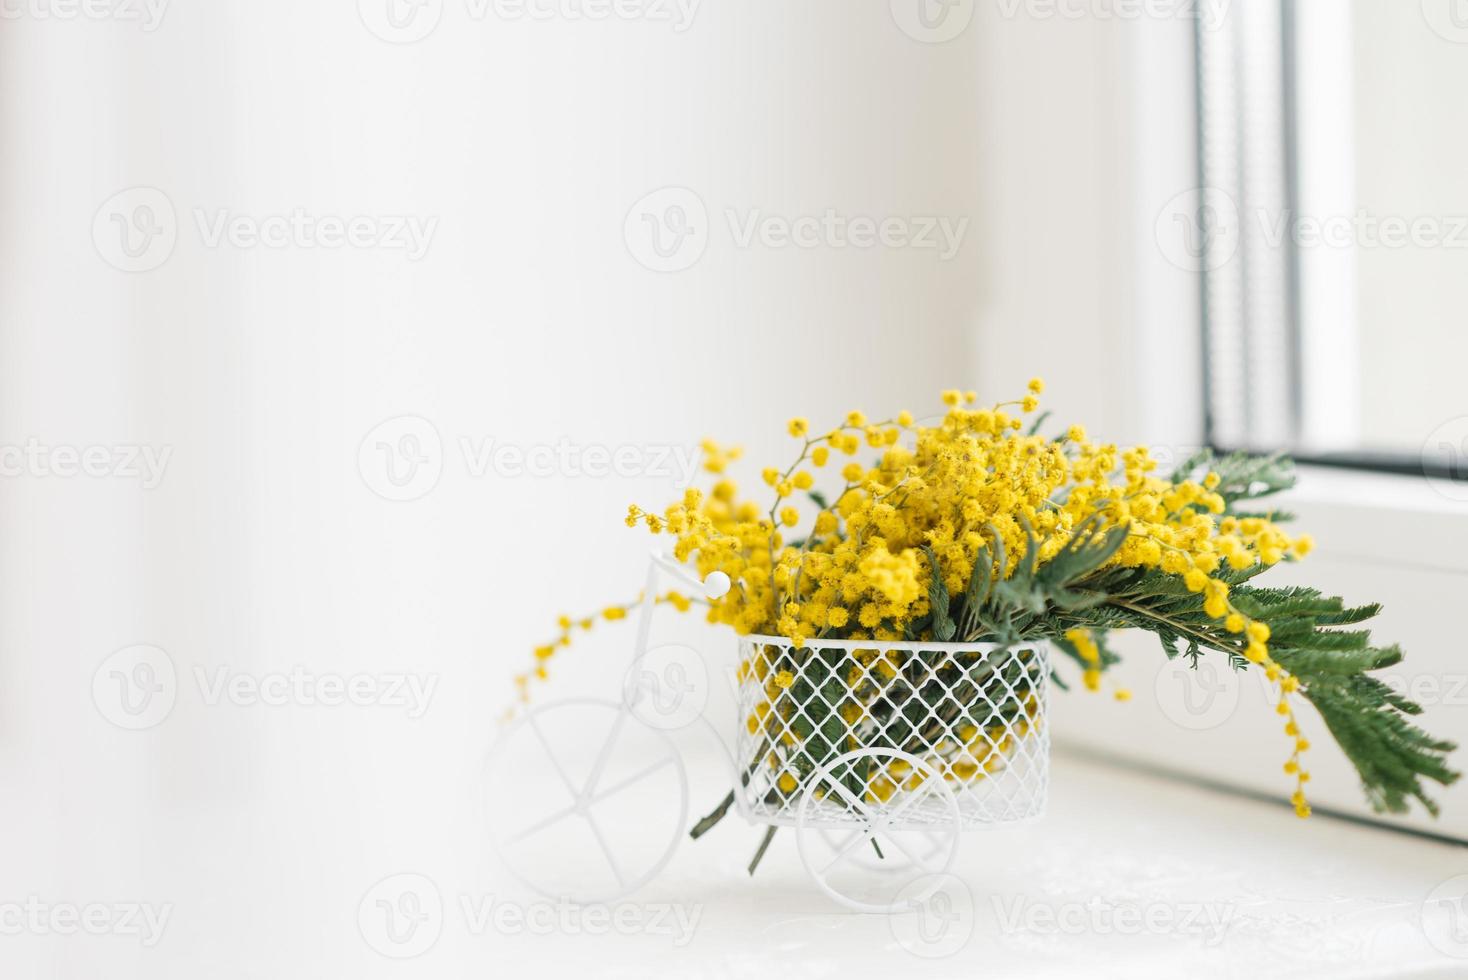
x,y
1014,598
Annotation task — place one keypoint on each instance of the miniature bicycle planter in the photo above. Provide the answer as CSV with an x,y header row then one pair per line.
x,y
878,753
895,742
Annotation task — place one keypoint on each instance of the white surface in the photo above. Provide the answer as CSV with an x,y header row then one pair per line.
x,y
1296,899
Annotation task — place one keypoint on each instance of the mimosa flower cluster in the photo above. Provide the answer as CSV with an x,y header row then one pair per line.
x,y
883,530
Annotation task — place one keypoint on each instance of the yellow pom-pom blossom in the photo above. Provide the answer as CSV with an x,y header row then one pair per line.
x,y
863,571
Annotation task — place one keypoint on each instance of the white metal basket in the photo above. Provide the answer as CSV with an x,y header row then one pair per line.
x,y
877,753
917,735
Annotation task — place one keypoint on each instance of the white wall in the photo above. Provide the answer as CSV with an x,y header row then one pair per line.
x,y
1087,122
528,321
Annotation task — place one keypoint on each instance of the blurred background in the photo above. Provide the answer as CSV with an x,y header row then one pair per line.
x,y
336,339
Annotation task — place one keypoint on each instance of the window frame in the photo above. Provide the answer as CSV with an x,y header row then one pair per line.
x,y
1363,460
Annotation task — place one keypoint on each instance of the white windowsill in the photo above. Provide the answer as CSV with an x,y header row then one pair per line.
x,y
1381,517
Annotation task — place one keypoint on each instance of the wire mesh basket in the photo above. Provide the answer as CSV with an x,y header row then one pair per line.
x,y
868,749
918,735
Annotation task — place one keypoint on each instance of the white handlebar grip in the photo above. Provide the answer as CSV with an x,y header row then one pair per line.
x,y
716,585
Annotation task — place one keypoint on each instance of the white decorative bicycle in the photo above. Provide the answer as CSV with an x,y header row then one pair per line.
x,y
878,753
